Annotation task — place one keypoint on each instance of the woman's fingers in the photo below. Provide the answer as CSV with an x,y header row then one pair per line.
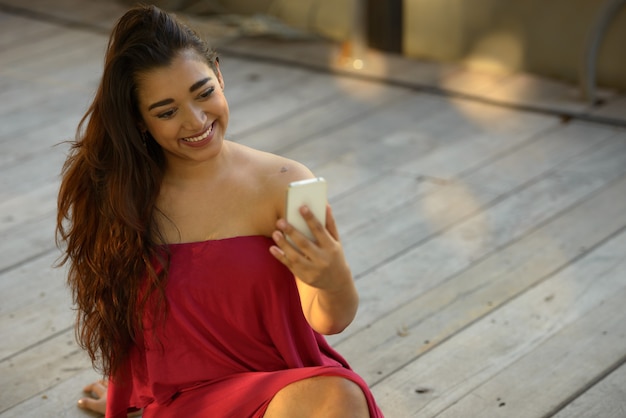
x,y
331,226
326,237
285,250
312,262
318,230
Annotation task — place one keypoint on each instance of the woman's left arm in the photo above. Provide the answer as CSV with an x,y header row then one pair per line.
x,y
327,292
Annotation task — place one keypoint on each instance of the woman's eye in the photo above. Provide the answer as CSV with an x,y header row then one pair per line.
x,y
166,115
207,93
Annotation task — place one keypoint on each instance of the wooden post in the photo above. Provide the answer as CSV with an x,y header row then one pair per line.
x,y
384,25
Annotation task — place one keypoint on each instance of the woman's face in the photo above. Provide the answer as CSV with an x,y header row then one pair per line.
x,y
184,108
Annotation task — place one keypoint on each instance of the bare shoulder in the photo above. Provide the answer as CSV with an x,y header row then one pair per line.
x,y
270,173
274,170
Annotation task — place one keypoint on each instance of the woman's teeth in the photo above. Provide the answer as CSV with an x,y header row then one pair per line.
x,y
200,137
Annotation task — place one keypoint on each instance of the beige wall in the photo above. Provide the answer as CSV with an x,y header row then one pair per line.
x,y
546,37
542,36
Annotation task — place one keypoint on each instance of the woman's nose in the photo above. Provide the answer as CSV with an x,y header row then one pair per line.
x,y
195,118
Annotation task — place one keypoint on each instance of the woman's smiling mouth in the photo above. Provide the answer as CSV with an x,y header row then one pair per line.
x,y
200,137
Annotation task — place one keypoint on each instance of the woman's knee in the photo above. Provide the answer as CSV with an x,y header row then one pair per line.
x,y
343,395
323,396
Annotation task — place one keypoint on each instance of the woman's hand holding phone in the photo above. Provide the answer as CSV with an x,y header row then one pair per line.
x,y
307,241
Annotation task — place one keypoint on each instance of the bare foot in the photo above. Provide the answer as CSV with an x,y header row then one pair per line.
x,y
97,399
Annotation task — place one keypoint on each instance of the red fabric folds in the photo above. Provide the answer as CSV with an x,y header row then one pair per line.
x,y
234,335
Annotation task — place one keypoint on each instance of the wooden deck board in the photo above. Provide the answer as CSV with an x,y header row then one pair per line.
x,y
29,240
29,373
359,133
19,31
487,242
420,325
354,101
57,401
400,230
92,13
457,370
605,399
427,258
477,134
565,362
27,316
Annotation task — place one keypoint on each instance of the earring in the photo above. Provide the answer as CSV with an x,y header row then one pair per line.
x,y
144,139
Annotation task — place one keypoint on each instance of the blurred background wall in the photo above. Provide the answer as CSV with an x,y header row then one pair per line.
x,y
546,37
541,36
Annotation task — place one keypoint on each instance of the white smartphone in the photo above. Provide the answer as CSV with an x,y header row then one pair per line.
x,y
310,192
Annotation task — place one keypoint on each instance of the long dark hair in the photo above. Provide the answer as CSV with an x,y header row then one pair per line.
x,y
110,183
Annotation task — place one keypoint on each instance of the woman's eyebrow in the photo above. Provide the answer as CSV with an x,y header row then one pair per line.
x,y
195,86
160,103
198,84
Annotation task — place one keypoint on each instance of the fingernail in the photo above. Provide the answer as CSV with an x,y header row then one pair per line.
x,y
81,403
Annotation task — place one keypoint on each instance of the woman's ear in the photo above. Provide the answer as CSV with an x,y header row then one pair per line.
x,y
218,73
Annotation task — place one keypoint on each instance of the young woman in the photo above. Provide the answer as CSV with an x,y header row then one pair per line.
x,y
190,299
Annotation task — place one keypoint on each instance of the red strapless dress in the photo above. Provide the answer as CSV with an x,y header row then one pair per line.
x,y
234,335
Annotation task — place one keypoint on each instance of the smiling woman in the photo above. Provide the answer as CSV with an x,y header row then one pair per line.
x,y
183,105
191,300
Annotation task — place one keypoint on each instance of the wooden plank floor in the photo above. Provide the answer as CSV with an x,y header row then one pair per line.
x,y
488,241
